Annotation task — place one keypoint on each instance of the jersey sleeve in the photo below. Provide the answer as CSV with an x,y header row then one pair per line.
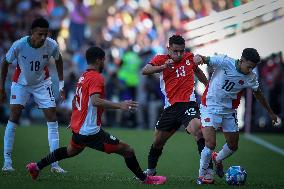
x,y
96,85
157,61
253,82
216,61
12,53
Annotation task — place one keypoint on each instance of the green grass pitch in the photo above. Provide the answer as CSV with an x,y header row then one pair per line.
x,y
179,162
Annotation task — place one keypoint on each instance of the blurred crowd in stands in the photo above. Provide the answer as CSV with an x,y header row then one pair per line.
x,y
132,32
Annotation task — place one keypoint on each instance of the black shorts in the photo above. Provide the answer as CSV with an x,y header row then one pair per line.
x,y
180,113
101,141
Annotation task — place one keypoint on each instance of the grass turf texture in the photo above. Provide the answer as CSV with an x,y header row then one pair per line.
x,y
179,162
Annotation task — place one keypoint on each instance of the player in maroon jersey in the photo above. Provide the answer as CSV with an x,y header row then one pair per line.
x,y
88,105
176,70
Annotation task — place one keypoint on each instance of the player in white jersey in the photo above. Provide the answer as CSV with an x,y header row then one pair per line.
x,y
31,78
220,101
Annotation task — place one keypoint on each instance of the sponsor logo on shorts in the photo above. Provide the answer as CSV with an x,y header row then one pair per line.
x,y
112,137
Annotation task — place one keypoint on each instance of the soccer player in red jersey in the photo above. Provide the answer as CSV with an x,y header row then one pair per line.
x,y
88,105
176,70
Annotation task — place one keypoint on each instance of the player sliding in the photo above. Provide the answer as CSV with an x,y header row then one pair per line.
x,y
220,101
88,105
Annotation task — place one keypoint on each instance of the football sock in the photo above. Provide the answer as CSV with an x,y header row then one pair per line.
x,y
134,166
200,146
53,137
153,157
204,160
56,155
224,153
9,141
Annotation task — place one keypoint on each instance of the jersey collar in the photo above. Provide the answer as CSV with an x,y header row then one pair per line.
x,y
237,65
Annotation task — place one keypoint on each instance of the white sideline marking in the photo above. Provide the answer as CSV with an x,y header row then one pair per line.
x,y
264,143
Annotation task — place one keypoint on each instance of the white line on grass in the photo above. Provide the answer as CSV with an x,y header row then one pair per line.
x,y
265,144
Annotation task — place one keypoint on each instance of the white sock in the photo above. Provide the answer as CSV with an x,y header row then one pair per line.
x,y
9,142
224,153
204,160
53,137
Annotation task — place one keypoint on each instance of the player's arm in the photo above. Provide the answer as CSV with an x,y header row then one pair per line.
x,y
3,75
125,105
260,97
151,69
59,68
200,59
4,71
201,76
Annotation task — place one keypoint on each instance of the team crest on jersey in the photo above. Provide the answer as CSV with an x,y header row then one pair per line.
x,y
81,79
45,56
14,96
187,62
241,82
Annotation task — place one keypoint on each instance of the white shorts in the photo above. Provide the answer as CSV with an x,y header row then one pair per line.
x,y
227,122
42,94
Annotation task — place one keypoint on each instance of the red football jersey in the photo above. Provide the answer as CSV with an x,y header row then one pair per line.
x,y
86,119
177,83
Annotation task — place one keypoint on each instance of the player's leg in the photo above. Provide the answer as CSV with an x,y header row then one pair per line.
x,y
55,156
209,134
194,128
9,136
156,149
231,133
230,147
18,99
165,128
190,117
107,143
43,96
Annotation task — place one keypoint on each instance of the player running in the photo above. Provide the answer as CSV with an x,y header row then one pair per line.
x,y
220,101
32,79
88,105
176,71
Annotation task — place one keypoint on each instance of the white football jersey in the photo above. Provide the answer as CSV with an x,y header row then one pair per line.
x,y
32,62
223,92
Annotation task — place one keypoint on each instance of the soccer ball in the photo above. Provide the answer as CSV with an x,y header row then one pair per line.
x,y
236,175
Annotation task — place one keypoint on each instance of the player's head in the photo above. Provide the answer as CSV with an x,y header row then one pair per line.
x,y
176,47
96,56
250,58
39,31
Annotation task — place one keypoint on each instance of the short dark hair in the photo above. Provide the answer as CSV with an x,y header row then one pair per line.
x,y
176,39
251,54
94,53
40,22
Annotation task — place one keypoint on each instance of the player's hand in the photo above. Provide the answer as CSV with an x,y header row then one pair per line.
x,y
129,105
274,119
2,96
62,95
197,59
169,64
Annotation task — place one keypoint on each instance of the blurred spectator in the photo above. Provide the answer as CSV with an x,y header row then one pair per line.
x,y
56,17
78,20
